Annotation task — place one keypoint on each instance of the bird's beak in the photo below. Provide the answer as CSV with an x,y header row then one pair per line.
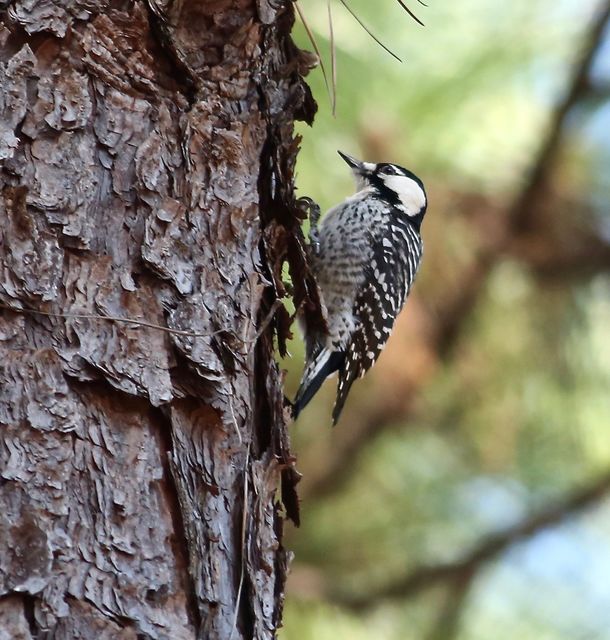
x,y
356,165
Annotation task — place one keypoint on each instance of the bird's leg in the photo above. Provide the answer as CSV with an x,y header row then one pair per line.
x,y
314,233
313,210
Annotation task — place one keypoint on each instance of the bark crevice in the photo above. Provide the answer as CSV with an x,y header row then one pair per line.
x,y
29,612
162,33
179,539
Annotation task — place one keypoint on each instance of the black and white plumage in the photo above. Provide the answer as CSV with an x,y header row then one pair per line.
x,y
366,254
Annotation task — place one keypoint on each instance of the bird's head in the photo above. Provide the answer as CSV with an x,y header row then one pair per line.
x,y
401,188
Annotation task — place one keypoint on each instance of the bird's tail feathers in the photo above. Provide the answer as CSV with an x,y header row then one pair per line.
x,y
324,364
352,370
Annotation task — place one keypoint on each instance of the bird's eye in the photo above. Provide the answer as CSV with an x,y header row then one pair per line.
x,y
390,170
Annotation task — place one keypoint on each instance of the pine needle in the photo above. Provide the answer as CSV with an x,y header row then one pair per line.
x,y
404,6
331,85
344,3
314,44
333,60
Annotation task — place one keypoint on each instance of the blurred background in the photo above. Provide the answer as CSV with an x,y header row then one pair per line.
x,y
465,492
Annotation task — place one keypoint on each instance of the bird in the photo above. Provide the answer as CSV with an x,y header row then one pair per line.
x,y
365,255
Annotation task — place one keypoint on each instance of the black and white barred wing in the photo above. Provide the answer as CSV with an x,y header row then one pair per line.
x,y
376,319
388,280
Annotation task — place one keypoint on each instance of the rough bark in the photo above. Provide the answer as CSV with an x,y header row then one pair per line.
x,y
147,154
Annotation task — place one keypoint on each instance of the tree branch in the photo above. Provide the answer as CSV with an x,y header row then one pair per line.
x,y
586,256
488,549
522,211
447,625
528,200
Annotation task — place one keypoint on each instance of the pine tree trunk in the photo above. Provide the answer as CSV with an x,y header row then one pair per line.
x,y
147,153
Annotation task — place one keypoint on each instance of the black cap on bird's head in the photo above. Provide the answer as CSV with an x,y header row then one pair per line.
x,y
399,186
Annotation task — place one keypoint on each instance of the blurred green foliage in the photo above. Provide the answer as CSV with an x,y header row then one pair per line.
x,y
518,414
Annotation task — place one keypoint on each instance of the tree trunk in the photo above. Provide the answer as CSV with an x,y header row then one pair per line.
x,y
147,153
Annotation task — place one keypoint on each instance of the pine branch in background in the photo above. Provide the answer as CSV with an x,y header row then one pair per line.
x,y
489,549
577,87
447,625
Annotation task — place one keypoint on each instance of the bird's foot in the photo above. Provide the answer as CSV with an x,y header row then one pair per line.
x,y
312,211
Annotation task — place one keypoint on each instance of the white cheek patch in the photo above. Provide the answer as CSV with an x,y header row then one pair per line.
x,y
410,194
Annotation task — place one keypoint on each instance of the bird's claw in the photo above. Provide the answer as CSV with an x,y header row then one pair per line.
x,y
312,210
